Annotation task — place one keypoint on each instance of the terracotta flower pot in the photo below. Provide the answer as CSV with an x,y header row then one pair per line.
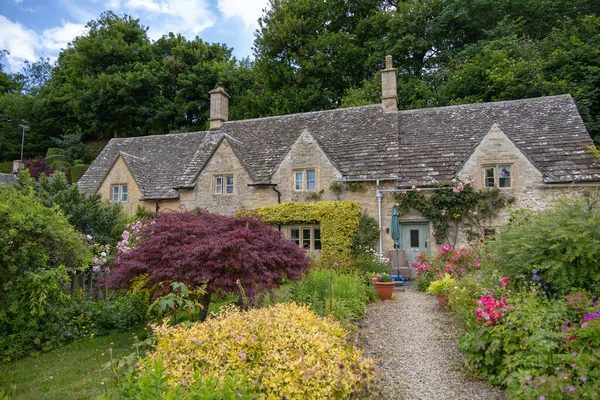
x,y
443,300
384,289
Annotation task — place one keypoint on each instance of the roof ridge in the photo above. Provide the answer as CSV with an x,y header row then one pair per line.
x,y
487,103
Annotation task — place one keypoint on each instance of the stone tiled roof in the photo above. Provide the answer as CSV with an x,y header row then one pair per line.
x,y
364,143
435,142
156,162
9,179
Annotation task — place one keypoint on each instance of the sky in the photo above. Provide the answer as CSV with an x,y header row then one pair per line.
x,y
30,29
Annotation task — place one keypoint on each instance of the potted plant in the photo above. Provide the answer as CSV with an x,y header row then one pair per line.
x,y
384,286
441,288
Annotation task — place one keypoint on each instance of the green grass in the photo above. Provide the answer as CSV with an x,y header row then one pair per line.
x,y
75,371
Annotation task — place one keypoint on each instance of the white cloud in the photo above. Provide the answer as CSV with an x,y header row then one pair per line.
x,y
57,38
189,17
20,41
248,10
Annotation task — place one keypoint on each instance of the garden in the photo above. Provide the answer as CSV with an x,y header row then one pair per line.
x,y
201,306
528,301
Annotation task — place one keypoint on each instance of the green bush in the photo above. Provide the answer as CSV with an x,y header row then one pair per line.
x,y
369,265
6,167
38,248
347,300
77,172
54,151
562,244
87,213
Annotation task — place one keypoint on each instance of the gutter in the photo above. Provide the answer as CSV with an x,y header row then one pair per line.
x,y
568,185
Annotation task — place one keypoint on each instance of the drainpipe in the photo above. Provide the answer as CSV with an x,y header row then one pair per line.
x,y
272,185
379,196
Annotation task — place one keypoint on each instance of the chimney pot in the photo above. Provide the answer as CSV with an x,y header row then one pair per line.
x,y
389,91
219,107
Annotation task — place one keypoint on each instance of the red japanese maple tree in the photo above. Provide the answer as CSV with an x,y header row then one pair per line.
x,y
197,248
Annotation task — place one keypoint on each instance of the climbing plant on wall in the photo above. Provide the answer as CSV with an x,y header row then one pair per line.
x,y
338,220
453,206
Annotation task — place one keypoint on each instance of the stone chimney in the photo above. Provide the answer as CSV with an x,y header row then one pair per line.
x,y
389,93
18,166
219,107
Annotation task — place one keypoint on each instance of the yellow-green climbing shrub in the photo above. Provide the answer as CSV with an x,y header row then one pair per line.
x,y
284,351
338,221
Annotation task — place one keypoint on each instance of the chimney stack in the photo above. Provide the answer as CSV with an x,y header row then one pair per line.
x,y
219,107
389,92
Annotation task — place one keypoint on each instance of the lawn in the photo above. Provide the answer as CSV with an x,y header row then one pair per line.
x,y
75,371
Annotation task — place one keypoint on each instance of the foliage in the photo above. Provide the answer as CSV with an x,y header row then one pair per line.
x,y
441,286
39,247
339,223
265,348
37,167
179,299
369,264
561,243
384,277
345,298
77,171
455,206
87,213
448,261
366,236
212,250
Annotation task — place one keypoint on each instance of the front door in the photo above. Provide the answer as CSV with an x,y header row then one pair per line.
x,y
414,238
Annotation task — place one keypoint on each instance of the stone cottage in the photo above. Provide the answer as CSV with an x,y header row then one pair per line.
x,y
528,148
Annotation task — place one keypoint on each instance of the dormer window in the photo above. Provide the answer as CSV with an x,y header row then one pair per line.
x,y
497,176
305,179
119,193
224,184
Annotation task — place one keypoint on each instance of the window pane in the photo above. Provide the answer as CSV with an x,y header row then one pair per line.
x,y
306,239
124,193
317,233
295,233
229,186
504,175
414,238
489,177
115,196
310,180
219,184
298,180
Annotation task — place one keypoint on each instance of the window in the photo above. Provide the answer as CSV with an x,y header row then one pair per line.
x,y
307,237
119,193
224,184
497,176
305,180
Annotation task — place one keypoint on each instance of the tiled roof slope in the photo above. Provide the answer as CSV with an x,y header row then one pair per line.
x,y
9,179
156,162
361,142
364,143
435,142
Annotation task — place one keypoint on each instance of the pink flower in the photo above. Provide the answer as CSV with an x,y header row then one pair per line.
x,y
374,280
242,355
504,281
414,187
475,213
477,265
403,192
378,277
584,325
453,180
125,235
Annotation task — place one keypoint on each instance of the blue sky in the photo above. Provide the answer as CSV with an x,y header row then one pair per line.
x,y
33,28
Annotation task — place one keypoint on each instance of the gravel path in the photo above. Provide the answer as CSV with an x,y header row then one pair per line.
x,y
414,344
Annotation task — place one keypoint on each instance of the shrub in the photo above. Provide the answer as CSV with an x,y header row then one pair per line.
x,y
562,244
39,247
212,250
284,351
87,213
347,300
454,262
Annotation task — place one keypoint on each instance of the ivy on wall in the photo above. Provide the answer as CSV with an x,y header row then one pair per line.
x,y
338,220
453,206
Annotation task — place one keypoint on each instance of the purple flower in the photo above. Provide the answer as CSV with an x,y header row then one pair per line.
x,y
574,354
573,365
567,321
536,278
571,388
565,328
542,397
583,379
528,378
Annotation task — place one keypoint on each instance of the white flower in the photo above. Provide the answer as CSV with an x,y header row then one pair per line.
x,y
103,254
88,237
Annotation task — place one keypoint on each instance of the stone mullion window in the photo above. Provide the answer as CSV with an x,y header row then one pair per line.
x,y
305,179
498,176
120,193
